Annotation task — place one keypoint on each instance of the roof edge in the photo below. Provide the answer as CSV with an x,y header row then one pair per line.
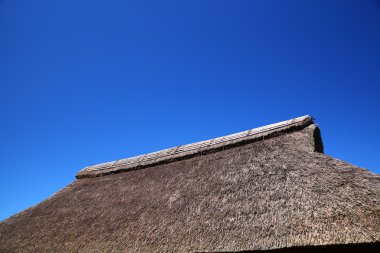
x,y
190,150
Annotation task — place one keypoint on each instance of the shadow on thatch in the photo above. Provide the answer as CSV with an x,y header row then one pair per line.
x,y
339,248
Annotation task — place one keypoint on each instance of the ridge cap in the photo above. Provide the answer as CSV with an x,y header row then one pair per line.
x,y
189,150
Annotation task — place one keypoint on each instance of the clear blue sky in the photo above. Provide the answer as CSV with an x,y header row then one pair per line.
x,y
84,82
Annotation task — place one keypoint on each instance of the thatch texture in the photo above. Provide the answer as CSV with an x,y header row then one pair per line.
x,y
268,194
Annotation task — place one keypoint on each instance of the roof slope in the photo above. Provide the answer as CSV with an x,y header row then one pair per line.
x,y
273,193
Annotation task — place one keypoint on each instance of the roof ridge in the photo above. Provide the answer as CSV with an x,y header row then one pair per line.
x,y
189,150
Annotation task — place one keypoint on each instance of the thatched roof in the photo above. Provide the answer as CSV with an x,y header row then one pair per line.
x,y
262,190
